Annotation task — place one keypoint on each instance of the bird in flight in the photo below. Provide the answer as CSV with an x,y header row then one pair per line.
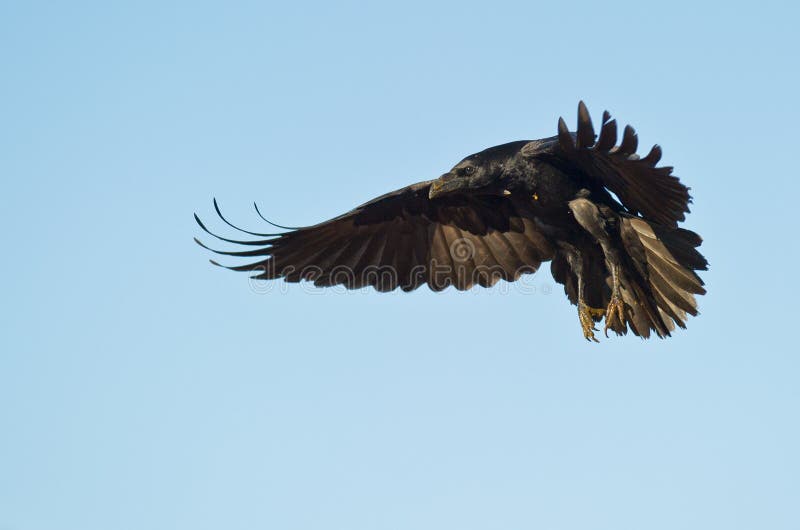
x,y
605,217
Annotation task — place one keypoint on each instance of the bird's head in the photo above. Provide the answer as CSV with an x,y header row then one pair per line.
x,y
483,173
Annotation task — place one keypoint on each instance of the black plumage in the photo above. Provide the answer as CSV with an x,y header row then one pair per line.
x,y
606,218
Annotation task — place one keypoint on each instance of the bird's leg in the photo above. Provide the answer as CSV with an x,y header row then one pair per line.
x,y
615,314
586,314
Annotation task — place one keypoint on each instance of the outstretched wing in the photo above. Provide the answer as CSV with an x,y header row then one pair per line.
x,y
644,189
404,239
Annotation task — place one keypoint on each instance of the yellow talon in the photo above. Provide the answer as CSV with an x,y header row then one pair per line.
x,y
615,314
586,315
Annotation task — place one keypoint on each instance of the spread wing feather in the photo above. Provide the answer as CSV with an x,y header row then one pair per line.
x,y
642,187
403,239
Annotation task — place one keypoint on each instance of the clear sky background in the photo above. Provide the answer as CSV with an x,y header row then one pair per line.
x,y
142,388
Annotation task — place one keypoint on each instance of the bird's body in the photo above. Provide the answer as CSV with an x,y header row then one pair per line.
x,y
500,213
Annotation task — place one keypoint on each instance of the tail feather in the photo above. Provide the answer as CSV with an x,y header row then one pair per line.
x,y
683,244
666,259
644,315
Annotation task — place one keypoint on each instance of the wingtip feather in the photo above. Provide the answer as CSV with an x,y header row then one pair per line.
x,y
585,128
564,137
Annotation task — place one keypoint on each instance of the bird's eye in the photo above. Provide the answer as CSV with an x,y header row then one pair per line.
x,y
469,170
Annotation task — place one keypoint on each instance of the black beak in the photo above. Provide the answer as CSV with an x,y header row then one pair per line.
x,y
445,184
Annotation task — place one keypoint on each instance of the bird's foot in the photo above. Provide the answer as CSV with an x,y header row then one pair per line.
x,y
586,315
615,315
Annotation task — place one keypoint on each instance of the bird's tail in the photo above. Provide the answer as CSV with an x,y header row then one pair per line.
x,y
665,259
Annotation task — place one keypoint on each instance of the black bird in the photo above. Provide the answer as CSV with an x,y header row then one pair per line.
x,y
607,219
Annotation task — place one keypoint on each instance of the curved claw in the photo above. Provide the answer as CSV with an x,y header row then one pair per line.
x,y
615,315
586,316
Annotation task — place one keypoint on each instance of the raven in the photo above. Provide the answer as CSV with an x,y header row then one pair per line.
x,y
605,217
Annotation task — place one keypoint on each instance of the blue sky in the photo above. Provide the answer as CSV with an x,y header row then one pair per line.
x,y
141,387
